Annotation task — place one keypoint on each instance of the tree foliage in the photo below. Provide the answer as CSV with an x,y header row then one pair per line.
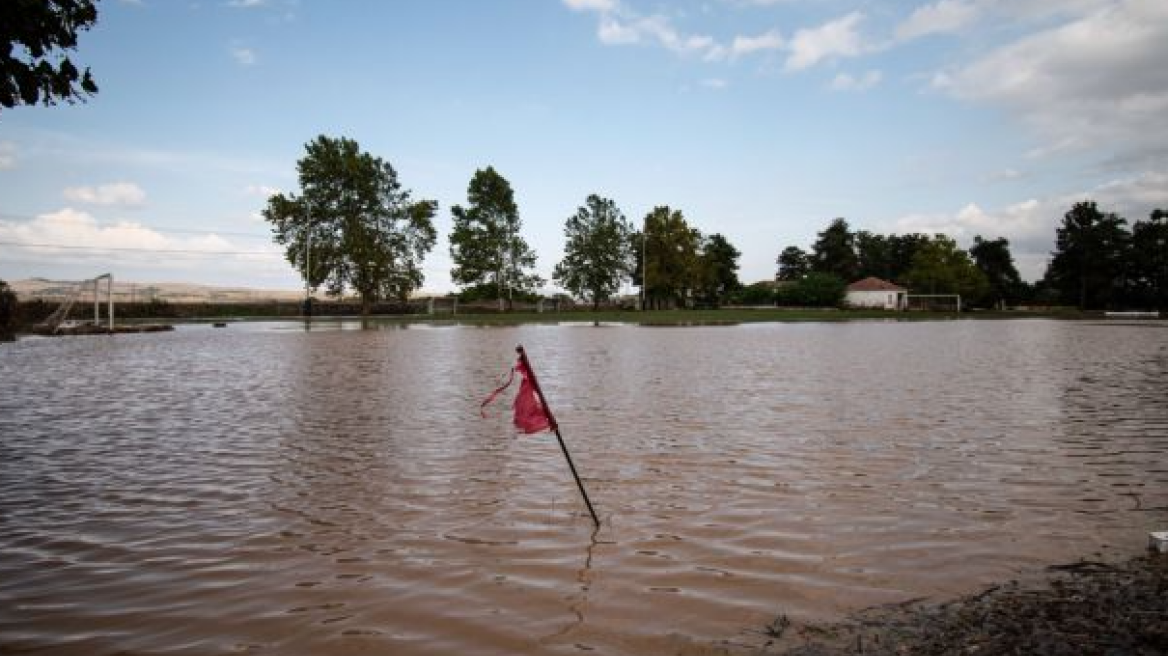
x,y
940,267
34,37
353,226
816,289
485,243
993,258
794,263
1149,261
671,248
1087,265
717,270
834,251
7,310
597,251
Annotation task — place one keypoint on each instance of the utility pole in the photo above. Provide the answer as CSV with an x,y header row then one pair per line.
x,y
644,263
307,261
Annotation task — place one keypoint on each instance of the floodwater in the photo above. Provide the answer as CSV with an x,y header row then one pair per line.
x,y
269,489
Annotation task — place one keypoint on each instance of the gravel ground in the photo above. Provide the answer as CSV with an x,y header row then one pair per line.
x,y
1081,608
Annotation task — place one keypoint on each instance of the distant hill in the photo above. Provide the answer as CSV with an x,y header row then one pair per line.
x,y
171,292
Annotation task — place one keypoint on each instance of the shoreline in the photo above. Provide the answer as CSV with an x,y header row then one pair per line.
x,y
1087,607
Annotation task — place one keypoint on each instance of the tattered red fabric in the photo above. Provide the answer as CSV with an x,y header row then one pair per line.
x,y
530,415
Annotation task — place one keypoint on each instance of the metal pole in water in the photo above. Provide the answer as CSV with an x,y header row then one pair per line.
x,y
556,429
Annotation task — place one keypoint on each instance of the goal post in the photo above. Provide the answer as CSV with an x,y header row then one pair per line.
x,y
933,302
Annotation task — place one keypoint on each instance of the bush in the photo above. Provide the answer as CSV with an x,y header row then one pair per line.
x,y
813,290
760,293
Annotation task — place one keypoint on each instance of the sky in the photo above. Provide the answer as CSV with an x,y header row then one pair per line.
x,y
761,120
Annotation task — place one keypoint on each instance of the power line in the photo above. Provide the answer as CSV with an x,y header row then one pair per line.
x,y
132,249
188,231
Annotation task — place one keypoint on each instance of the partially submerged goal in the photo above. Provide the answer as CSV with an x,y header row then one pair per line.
x,y
933,302
57,319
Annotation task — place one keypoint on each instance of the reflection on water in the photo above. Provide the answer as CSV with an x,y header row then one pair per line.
x,y
272,489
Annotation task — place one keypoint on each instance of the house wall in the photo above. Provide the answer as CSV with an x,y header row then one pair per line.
x,y
883,300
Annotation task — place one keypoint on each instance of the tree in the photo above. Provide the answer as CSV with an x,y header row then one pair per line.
x,y
816,289
1149,263
993,258
794,263
353,226
834,251
876,255
717,269
672,253
597,255
939,267
1087,264
34,34
7,310
485,243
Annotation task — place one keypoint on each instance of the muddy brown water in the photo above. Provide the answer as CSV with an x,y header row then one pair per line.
x,y
269,489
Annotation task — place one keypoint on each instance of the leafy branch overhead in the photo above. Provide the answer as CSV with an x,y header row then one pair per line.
x,y
35,36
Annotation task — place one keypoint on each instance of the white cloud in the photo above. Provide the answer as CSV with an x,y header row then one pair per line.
x,y
263,191
834,39
714,83
655,29
940,17
47,233
246,4
124,194
1030,225
846,82
243,56
619,25
1006,175
745,45
1098,81
591,5
7,155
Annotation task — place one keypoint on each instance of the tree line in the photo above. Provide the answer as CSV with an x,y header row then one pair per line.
x,y
352,226
1097,264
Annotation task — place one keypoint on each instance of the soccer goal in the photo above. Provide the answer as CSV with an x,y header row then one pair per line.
x,y
933,302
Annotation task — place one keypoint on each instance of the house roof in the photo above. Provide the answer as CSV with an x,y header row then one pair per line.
x,y
873,284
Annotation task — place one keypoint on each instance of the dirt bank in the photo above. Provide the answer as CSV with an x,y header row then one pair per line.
x,y
1081,608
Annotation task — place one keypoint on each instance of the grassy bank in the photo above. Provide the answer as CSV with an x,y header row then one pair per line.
x,y
32,312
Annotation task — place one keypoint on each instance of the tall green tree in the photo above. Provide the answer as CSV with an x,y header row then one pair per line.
x,y
1087,265
1149,262
994,260
876,255
940,267
794,263
597,251
904,249
717,269
834,251
34,37
485,243
352,226
671,249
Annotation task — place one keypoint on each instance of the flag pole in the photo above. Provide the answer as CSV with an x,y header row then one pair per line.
x,y
556,429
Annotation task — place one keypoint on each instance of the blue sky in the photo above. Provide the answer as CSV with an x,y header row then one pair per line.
x,y
759,119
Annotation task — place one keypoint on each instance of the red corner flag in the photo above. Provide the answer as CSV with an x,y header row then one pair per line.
x,y
531,416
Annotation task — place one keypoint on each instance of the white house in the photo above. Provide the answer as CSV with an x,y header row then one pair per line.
x,y
876,293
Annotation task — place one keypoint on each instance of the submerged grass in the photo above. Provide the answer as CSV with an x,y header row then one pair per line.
x,y
712,317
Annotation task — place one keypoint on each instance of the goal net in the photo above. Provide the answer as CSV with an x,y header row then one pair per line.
x,y
933,302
